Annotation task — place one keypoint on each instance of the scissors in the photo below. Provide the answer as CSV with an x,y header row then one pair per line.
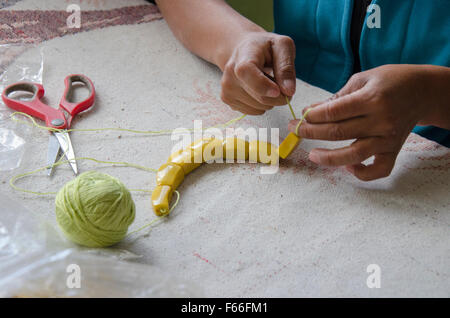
x,y
54,118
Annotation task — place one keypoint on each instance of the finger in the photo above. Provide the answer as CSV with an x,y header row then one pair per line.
x,y
316,104
246,99
332,97
233,91
355,153
381,167
248,73
263,100
341,108
245,109
229,90
283,50
356,82
304,110
292,125
359,127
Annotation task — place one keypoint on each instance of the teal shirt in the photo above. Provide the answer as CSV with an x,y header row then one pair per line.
x,y
412,32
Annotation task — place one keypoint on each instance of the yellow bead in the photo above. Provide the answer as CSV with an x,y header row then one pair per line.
x,y
170,174
198,147
261,151
185,159
288,145
235,149
161,197
193,156
213,150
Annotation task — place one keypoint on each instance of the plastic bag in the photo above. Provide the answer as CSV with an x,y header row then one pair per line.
x,y
18,62
35,262
12,149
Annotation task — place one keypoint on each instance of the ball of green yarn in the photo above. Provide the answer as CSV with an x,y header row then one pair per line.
x,y
94,209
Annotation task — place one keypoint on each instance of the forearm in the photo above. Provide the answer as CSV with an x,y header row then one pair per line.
x,y
208,28
440,96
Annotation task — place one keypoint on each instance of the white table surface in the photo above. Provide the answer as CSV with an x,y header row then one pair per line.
x,y
304,231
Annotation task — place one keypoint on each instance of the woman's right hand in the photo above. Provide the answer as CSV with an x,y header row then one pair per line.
x,y
245,84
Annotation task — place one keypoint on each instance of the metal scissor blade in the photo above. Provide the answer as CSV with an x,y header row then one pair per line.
x,y
66,147
52,153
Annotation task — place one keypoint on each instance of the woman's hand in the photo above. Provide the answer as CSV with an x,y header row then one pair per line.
x,y
244,51
378,108
245,84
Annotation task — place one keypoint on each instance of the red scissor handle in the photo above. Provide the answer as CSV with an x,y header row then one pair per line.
x,y
74,108
53,117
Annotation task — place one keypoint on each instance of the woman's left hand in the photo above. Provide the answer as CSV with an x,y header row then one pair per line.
x,y
378,108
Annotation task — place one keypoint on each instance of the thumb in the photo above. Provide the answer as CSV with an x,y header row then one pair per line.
x,y
283,50
292,125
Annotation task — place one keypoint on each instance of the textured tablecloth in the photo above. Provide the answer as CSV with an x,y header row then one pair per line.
x,y
304,231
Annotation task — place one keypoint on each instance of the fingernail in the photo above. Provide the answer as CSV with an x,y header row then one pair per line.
x,y
314,157
289,86
332,97
273,92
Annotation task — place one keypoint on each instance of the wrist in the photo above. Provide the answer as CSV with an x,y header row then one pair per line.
x,y
437,96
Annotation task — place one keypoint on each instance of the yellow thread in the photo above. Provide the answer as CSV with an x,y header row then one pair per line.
x,y
149,132
60,162
301,120
290,107
158,218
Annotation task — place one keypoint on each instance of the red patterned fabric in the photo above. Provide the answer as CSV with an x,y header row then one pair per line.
x,y
35,26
